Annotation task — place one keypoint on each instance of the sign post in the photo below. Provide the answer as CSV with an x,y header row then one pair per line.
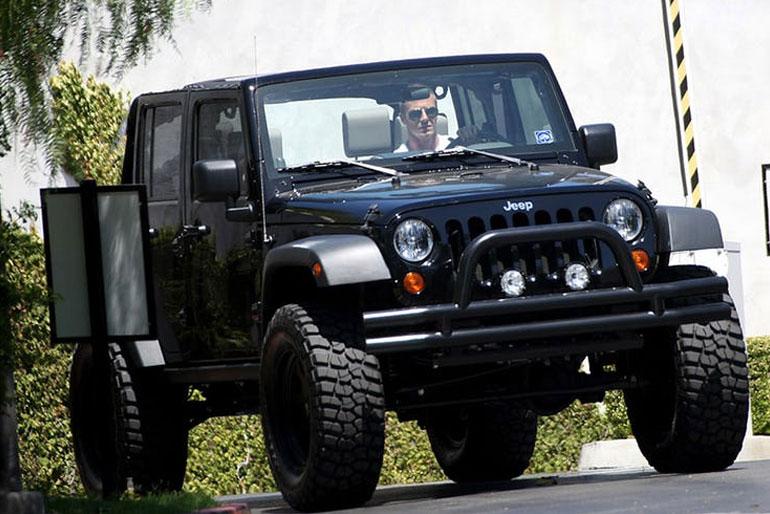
x,y
98,268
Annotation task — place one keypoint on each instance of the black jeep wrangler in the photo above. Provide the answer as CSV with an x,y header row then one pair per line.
x,y
432,237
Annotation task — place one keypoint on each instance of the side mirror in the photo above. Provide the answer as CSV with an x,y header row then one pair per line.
x,y
215,180
600,144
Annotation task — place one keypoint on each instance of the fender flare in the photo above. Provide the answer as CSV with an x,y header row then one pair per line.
x,y
687,228
344,258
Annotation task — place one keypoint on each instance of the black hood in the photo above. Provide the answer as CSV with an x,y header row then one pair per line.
x,y
347,201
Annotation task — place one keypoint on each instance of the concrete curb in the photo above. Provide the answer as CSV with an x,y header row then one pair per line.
x,y
624,454
231,508
22,502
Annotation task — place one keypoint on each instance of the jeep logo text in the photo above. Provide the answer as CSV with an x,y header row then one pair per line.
x,y
518,206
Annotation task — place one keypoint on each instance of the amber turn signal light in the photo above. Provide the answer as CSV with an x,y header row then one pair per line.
x,y
641,259
317,269
414,283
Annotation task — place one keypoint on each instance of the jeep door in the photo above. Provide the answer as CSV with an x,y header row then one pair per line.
x,y
156,144
223,257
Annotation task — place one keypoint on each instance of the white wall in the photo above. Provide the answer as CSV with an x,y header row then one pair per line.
x,y
21,179
609,57
728,49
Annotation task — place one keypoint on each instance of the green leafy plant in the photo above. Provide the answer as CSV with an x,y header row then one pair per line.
x,y
758,349
154,504
22,280
87,116
33,34
41,369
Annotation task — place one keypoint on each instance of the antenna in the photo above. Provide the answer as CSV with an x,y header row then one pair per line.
x,y
255,55
266,238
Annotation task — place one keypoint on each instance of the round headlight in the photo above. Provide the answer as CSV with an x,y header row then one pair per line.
x,y
413,240
624,216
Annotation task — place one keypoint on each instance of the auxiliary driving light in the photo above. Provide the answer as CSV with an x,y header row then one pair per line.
x,y
641,259
576,276
414,282
512,283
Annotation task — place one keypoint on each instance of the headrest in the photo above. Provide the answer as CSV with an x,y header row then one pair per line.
x,y
276,146
276,142
366,131
442,124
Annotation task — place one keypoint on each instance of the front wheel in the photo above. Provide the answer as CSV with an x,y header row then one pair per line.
x,y
322,409
692,414
479,443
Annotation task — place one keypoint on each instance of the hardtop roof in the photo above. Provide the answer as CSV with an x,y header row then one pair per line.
x,y
246,81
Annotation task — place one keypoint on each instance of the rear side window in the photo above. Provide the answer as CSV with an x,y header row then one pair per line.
x,y
161,153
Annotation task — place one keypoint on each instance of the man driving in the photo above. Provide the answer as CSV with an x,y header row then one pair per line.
x,y
418,114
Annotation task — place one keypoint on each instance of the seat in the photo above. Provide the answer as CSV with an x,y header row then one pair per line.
x,y
276,146
366,131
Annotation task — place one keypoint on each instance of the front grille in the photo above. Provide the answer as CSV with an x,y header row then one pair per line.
x,y
542,263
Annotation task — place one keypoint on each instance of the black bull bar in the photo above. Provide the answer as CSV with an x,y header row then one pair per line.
x,y
651,310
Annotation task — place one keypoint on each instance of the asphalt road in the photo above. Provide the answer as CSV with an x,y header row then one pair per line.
x,y
744,487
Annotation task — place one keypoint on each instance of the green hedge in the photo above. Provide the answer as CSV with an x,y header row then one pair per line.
x,y
227,454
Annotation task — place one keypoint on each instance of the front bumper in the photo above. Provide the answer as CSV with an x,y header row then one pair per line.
x,y
634,306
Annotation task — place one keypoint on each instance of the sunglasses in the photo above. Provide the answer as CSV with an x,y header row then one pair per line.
x,y
416,114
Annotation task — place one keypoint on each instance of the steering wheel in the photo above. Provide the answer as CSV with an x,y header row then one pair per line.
x,y
483,135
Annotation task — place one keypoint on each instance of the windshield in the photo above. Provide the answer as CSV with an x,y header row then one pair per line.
x,y
383,117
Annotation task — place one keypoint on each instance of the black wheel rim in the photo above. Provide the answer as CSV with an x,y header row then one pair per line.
x,y
455,429
291,409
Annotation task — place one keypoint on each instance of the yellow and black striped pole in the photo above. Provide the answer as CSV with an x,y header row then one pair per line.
x,y
681,98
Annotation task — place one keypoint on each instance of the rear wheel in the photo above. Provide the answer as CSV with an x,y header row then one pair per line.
x,y
692,414
491,441
322,409
134,429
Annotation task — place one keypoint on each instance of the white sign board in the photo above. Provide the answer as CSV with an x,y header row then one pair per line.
x,y
97,258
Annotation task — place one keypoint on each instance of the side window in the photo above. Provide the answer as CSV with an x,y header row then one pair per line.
x,y
161,152
219,134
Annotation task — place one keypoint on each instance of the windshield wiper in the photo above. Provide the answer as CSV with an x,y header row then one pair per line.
x,y
463,151
337,164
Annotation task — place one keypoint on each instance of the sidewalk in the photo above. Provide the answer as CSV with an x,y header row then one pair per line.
x,y
624,454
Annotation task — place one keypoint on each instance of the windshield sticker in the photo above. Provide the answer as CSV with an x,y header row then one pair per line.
x,y
544,137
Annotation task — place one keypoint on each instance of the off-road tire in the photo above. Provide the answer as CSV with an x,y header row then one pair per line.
x,y
692,414
130,432
322,407
486,442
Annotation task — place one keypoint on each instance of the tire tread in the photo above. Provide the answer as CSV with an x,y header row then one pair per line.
x,y
347,395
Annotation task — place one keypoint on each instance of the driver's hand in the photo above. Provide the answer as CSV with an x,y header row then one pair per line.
x,y
468,132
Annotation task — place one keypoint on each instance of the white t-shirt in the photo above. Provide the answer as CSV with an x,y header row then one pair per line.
x,y
443,141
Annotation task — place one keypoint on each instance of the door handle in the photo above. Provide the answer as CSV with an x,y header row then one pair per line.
x,y
196,231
